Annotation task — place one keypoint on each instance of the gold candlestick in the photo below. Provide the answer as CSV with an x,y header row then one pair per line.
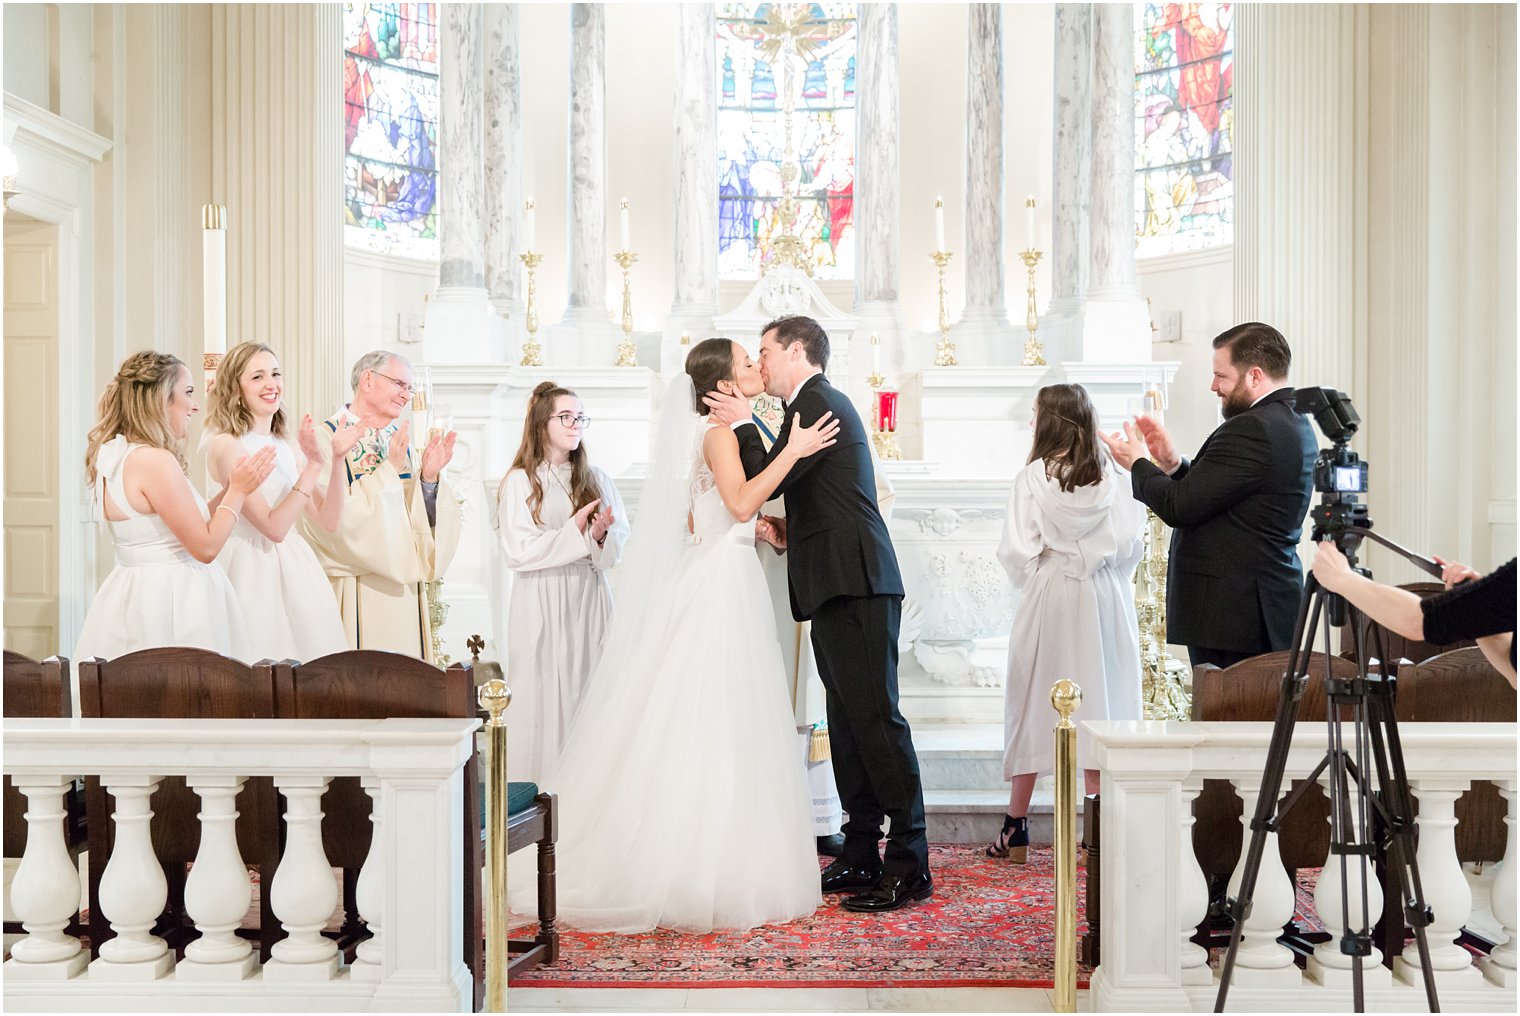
x,y
1034,355
532,354
944,350
884,440
627,351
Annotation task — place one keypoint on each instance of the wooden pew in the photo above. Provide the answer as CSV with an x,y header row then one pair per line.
x,y
1395,646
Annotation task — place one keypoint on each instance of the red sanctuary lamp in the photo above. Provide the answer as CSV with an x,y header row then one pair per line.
x,y
884,417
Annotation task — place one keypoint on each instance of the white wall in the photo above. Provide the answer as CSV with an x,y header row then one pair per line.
x,y
1198,287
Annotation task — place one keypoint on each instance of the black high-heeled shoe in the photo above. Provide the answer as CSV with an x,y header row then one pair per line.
x,y
1013,842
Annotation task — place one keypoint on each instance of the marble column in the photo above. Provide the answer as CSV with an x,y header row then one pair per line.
x,y
461,147
1115,320
504,159
587,248
696,184
1071,178
878,180
986,300
460,324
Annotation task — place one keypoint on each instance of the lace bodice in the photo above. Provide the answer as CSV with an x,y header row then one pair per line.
x,y
709,516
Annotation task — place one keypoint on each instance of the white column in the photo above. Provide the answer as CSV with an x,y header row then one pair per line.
x,y
1193,899
461,326
696,183
1295,180
1261,961
984,333
276,146
1499,967
503,160
1072,175
1116,323
878,180
218,889
587,248
133,890
304,893
1329,966
369,894
45,891
1445,886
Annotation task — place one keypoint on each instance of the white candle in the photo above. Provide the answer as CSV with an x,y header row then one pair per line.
x,y
1029,222
939,224
875,353
623,225
214,277
532,237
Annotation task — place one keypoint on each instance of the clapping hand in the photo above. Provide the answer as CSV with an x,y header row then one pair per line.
x,y
437,454
1159,442
396,453
250,471
583,516
1125,447
600,523
306,437
345,437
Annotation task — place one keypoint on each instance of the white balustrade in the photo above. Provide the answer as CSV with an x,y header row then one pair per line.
x,y
218,889
412,770
1193,901
133,889
1329,966
1500,965
45,893
1151,774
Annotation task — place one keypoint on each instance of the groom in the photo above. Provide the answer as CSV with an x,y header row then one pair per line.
x,y
843,577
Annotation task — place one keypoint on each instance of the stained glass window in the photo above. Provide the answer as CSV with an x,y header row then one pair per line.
x,y
390,128
752,136
1184,192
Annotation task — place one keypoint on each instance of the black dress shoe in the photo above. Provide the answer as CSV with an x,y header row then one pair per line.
x,y
831,846
840,877
892,892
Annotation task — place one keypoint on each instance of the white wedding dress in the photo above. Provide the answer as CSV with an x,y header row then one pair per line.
x,y
680,799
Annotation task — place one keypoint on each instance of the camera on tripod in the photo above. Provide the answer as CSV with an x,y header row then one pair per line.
x,y
1340,475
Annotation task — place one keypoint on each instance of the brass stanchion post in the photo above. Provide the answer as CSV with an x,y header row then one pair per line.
x,y
494,696
1066,697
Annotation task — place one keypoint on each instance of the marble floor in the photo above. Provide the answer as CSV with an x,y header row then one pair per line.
x,y
785,1000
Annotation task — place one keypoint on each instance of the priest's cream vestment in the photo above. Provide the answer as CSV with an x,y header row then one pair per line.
x,y
385,547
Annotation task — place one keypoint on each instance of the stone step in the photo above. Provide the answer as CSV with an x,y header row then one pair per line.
x,y
976,816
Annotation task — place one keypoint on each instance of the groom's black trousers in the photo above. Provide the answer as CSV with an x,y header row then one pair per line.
x,y
875,766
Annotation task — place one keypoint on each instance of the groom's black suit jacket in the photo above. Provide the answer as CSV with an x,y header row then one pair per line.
x,y
837,543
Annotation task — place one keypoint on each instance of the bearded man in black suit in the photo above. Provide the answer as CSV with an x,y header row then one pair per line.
x,y
1233,580
843,576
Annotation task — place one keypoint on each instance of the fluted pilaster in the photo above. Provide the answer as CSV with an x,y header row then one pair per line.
x,y
504,157
177,209
277,163
986,300
461,149
588,165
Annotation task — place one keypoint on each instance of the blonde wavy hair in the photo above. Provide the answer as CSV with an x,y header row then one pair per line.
x,y
136,404
226,412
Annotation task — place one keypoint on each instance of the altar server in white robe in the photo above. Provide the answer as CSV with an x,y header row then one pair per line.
x,y
1071,541
562,527
806,686
400,524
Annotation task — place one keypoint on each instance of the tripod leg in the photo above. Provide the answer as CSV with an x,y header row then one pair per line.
x,y
1264,819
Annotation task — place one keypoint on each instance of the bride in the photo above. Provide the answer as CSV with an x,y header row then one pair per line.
x,y
681,803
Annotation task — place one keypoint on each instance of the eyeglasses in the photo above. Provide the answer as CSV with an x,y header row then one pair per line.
x,y
568,420
401,386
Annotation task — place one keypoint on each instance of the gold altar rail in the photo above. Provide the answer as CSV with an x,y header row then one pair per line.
x,y
1066,696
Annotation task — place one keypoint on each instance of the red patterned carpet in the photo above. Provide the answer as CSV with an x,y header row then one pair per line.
x,y
989,924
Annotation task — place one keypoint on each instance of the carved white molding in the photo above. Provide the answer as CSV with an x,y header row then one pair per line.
x,y
783,291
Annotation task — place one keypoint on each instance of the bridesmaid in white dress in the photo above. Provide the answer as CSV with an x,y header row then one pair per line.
x,y
166,588
1071,542
288,603
562,527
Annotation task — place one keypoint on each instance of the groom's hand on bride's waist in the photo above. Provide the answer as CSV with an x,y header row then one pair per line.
x,y
772,529
727,409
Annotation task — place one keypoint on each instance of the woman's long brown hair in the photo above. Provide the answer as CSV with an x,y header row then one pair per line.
x,y
534,452
1066,436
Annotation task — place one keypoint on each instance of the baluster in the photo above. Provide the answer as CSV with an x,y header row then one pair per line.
x,y
218,891
45,892
1261,960
133,889
1499,967
370,892
304,892
1445,885
1329,966
1193,898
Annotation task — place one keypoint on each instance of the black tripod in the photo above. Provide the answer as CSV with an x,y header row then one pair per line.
x,y
1374,749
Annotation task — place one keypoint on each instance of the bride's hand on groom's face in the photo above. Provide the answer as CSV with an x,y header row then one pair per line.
x,y
725,408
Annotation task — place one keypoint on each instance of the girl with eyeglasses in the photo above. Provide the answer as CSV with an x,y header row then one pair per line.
x,y
562,527
1071,541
